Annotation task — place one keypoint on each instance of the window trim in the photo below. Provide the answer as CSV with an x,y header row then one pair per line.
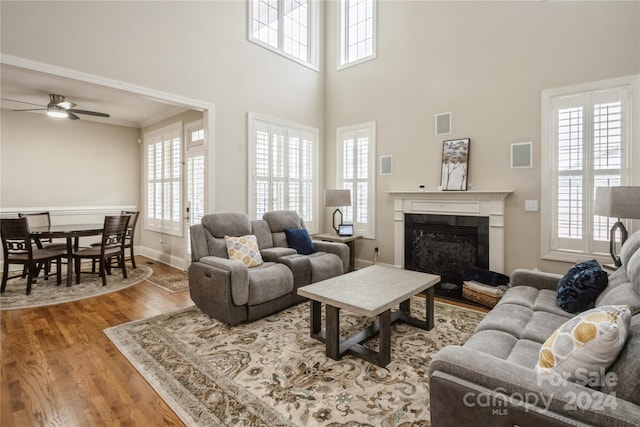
x,y
340,42
313,33
370,232
548,160
311,225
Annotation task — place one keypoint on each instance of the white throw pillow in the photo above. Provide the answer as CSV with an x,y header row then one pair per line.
x,y
586,345
244,249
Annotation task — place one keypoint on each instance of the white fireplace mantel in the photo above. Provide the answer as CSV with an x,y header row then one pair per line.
x,y
467,203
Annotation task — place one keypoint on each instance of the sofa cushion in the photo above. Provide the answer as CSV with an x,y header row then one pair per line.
x,y
280,220
244,249
590,341
626,383
269,282
325,266
299,239
580,287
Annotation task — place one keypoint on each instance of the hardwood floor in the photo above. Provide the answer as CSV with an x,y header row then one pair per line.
x,y
59,369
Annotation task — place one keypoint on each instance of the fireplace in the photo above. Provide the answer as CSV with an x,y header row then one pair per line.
x,y
487,207
445,245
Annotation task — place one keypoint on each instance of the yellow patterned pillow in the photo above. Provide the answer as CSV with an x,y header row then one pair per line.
x,y
586,345
244,249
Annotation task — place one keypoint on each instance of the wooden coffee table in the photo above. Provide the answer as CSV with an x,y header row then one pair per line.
x,y
370,291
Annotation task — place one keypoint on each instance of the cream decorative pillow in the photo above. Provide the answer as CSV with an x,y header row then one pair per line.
x,y
586,345
244,249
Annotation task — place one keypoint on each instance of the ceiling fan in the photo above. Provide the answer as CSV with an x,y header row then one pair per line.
x,y
59,107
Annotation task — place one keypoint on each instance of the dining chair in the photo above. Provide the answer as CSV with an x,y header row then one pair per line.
x,y
18,249
111,246
42,219
131,229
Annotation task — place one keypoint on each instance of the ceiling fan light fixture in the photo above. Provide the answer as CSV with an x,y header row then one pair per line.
x,y
55,111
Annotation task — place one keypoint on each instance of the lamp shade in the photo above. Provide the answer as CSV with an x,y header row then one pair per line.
x,y
334,198
618,202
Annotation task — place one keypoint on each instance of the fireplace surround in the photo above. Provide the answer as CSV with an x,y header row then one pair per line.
x,y
487,204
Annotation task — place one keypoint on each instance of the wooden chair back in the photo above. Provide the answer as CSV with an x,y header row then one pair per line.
x,y
16,240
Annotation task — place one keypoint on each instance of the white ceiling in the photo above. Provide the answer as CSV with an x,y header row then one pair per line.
x,y
125,108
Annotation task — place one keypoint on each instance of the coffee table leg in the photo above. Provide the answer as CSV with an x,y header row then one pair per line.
x,y
384,338
333,332
429,317
316,315
405,307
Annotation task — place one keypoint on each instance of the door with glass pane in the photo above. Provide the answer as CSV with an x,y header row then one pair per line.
x,y
195,181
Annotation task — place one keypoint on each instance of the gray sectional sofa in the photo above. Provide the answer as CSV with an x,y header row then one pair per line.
x,y
491,379
232,292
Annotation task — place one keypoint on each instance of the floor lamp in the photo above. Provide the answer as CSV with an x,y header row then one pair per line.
x,y
337,198
617,202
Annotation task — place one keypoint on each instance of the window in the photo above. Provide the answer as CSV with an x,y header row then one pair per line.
x,y
357,39
586,144
163,156
356,172
288,27
282,168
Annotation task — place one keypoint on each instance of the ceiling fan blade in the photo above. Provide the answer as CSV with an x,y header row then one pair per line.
x,y
22,102
73,116
33,109
90,113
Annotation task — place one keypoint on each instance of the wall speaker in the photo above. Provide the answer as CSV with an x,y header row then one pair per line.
x,y
386,165
443,123
522,155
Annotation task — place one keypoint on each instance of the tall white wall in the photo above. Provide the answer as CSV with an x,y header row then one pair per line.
x,y
486,63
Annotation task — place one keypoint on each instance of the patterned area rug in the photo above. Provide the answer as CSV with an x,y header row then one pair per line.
x,y
172,282
46,292
271,373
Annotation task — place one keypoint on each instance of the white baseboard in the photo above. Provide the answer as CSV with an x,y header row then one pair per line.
x,y
162,257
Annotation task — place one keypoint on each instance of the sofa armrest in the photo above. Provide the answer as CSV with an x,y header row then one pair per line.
x,y
535,279
463,379
340,249
239,276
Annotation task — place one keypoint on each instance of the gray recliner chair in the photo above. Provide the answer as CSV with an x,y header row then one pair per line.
x,y
226,289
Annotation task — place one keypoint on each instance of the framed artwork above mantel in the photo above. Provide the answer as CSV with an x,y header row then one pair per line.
x,y
455,164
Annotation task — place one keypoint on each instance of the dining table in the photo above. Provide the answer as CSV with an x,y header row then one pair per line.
x,y
72,234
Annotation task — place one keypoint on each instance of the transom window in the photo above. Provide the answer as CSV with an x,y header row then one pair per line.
x,y
586,144
357,20
288,27
283,168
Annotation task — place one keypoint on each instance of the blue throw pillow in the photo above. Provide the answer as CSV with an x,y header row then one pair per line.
x,y
579,288
299,239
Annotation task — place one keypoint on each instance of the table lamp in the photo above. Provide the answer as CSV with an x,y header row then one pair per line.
x,y
617,202
337,198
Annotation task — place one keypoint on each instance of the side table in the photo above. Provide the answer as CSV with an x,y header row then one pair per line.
x,y
348,240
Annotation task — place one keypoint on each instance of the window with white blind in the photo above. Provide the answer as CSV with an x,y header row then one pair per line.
x,y
586,144
163,165
287,27
357,24
283,168
356,172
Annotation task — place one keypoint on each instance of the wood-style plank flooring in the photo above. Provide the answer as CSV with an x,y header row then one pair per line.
x,y
60,369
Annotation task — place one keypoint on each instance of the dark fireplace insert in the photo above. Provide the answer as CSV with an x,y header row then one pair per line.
x,y
446,245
